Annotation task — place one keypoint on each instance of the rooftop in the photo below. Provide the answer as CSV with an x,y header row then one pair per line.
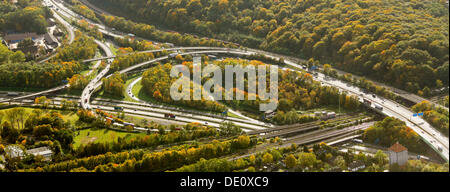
x,y
397,147
14,37
37,150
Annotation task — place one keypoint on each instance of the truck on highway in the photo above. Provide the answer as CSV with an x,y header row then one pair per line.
x,y
169,116
378,107
440,148
111,119
128,124
117,108
13,94
172,55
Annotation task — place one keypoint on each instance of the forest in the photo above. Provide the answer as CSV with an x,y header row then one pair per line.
x,y
24,16
402,43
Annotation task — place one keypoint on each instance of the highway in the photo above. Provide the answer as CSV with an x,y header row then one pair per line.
x,y
96,82
66,25
404,94
59,88
313,137
158,114
283,130
244,119
429,134
390,108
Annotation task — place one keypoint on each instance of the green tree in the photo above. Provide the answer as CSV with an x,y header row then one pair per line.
x,y
267,158
290,161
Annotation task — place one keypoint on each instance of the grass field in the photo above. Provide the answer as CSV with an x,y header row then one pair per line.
x,y
100,135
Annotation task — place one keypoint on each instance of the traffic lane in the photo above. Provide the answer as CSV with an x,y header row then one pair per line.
x,y
245,127
391,113
424,134
391,105
198,118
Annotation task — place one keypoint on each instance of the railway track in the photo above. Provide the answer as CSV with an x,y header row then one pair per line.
x,y
321,135
303,125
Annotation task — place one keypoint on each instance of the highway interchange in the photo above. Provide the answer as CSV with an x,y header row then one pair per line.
x,y
430,135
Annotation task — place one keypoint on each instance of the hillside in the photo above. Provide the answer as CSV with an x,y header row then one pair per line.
x,y
402,43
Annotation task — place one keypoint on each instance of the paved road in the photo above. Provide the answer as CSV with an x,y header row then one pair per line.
x,y
404,94
66,25
96,82
426,131
390,108
158,114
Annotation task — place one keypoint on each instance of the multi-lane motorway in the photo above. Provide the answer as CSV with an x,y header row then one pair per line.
x,y
430,135
96,82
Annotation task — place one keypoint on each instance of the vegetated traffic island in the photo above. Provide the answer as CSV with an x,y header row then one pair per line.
x,y
297,92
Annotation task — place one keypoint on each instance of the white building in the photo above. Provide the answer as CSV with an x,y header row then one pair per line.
x,y
398,154
14,151
42,151
356,166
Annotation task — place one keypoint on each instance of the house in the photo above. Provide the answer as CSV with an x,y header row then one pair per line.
x,y
12,41
14,151
50,40
398,154
356,166
13,38
58,32
42,151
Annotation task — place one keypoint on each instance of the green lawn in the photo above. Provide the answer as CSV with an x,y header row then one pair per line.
x,y
233,115
100,135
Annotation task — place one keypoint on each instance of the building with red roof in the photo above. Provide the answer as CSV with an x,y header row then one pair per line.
x,y
398,154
